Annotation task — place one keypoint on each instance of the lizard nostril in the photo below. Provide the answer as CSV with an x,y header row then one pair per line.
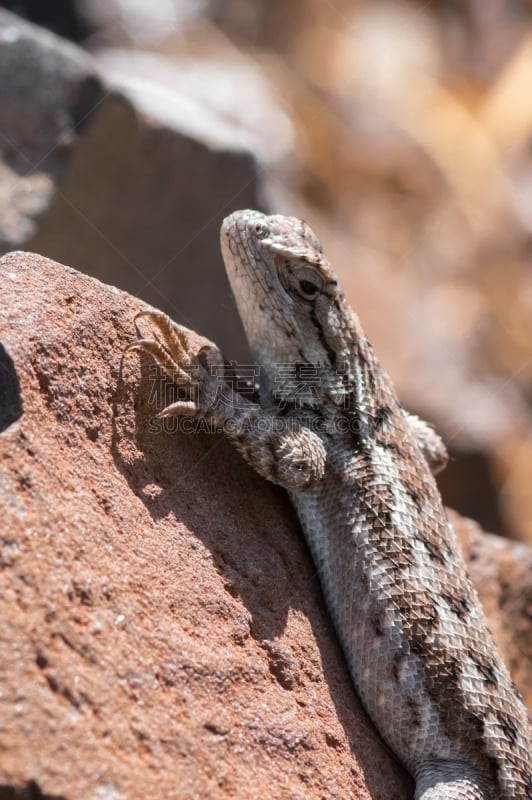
x,y
261,230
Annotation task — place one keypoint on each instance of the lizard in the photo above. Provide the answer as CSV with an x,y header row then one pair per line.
x,y
359,471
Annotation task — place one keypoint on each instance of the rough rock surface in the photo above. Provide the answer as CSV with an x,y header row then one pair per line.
x,y
162,631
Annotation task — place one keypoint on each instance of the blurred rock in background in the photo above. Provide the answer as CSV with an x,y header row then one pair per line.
x,y
401,131
118,166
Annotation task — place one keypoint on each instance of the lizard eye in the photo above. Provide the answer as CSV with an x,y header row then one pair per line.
x,y
308,289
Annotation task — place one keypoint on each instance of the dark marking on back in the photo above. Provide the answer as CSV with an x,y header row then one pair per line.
x,y
494,767
479,723
509,727
377,624
454,670
381,416
415,716
432,548
487,670
398,657
416,496
458,603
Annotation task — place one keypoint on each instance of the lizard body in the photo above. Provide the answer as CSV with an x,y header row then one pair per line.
x,y
358,470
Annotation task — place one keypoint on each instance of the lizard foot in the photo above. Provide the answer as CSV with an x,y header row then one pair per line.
x,y
173,351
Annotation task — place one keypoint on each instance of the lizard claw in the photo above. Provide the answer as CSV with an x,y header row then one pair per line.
x,y
181,408
162,358
194,373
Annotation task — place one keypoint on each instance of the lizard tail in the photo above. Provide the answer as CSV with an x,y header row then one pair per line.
x,y
450,780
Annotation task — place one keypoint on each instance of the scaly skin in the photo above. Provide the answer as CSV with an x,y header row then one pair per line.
x,y
358,471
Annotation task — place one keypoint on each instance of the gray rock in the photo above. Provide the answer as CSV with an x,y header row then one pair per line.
x,y
48,88
47,92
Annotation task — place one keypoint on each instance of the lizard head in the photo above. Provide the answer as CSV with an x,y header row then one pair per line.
x,y
289,299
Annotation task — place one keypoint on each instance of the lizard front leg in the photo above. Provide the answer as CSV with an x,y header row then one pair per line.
x,y
430,443
280,449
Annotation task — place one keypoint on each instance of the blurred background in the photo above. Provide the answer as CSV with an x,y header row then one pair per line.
x,y
401,131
